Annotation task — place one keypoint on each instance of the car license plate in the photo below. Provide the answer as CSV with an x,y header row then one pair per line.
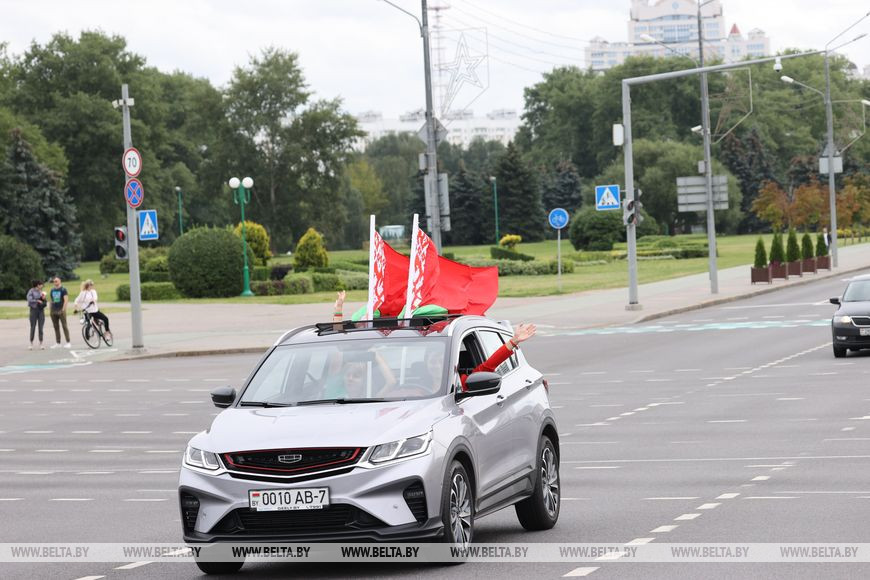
x,y
270,500
865,331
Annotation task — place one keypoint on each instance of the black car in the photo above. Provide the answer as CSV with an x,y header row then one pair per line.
x,y
850,326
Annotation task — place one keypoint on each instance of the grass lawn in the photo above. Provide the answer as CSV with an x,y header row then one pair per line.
x,y
733,251
10,312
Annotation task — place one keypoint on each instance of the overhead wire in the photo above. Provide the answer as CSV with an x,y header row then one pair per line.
x,y
520,24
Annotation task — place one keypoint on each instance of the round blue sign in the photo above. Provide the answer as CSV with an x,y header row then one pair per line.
x,y
558,218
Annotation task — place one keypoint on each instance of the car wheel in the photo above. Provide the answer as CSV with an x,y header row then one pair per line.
x,y
541,510
839,352
457,506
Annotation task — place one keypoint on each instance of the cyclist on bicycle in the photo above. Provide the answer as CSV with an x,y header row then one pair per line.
x,y
86,301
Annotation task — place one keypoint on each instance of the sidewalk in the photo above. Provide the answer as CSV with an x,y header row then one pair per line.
x,y
192,329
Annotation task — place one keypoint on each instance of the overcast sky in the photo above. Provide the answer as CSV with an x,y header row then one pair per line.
x,y
370,54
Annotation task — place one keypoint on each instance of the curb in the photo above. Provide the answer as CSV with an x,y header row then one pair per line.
x,y
192,353
717,301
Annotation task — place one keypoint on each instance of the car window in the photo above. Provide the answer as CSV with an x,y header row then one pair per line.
x,y
858,291
492,341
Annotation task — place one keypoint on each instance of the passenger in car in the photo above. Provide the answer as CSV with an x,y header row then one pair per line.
x,y
522,333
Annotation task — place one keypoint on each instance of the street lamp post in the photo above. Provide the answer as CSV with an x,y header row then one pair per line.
x,y
495,204
708,165
241,196
180,216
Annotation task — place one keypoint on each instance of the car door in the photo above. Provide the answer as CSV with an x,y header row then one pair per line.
x,y
517,404
490,424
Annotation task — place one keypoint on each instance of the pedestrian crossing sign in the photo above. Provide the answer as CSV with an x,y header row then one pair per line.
x,y
607,197
148,225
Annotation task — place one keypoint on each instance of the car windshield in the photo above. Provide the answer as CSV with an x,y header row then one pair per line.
x,y
858,291
349,371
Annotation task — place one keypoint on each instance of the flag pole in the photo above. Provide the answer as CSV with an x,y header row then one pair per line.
x,y
412,274
370,314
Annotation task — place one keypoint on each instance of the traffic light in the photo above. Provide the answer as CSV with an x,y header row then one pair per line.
x,y
121,243
631,212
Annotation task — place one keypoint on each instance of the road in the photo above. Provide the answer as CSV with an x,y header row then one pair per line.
x,y
729,424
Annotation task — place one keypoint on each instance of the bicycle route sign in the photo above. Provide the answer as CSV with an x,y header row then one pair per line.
x,y
134,193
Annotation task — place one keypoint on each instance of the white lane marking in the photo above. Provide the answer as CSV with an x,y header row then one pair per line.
x,y
195,432
90,578
770,497
822,374
658,380
767,465
38,432
86,432
52,450
664,529
138,380
644,371
100,381
708,506
105,451
136,432
577,572
847,429
641,409
639,541
71,499
676,497
128,414
760,478
686,517
6,450
11,498
198,402
177,380
82,414
610,556
791,399
33,472
626,414
613,418
728,421
598,467
599,424
119,390
737,368
846,492
132,565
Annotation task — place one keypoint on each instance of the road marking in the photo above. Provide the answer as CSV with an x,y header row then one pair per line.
x,y
33,472
52,450
11,498
760,478
613,418
200,401
90,578
667,498
610,556
128,414
594,373
100,381
845,492
791,399
626,414
575,573
686,517
215,380
105,451
658,380
639,541
132,565
138,380
847,429
644,371
664,529
71,499
38,432
642,409
6,450
86,432
195,432
708,506
119,390
177,380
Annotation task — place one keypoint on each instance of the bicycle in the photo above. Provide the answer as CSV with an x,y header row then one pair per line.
x,y
93,332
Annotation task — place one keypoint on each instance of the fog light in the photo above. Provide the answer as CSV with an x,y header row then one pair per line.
x,y
842,338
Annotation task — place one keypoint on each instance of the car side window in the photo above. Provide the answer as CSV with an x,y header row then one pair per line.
x,y
492,341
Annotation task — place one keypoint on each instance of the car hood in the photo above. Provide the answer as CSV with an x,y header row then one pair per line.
x,y
854,309
327,425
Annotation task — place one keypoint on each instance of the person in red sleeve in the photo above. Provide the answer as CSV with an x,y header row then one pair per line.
x,y
521,333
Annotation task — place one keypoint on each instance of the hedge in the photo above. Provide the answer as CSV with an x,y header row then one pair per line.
x,y
146,276
497,253
516,268
298,284
150,291
280,271
260,273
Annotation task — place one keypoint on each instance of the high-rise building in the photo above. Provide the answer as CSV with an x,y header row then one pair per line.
x,y
675,23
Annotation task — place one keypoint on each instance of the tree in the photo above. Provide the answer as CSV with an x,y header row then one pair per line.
x,y
777,252
470,209
519,198
35,209
772,205
363,178
792,249
562,188
807,250
750,162
760,254
258,240
809,205
310,252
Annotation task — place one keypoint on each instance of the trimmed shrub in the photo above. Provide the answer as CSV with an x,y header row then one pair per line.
x,y
20,265
449,256
497,253
821,247
150,291
258,240
760,254
792,249
353,266
110,265
154,277
567,266
325,282
207,262
260,273
595,230
156,264
353,280
777,252
298,284
807,249
516,268
510,241
280,271
310,252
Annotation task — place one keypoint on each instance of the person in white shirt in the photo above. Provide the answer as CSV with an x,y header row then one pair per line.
x,y
86,301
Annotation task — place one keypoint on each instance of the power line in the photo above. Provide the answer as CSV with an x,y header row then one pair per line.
x,y
521,24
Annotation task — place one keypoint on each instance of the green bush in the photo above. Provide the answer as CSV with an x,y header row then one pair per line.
x,y
207,262
352,280
595,230
760,254
154,277
156,264
298,284
310,252
280,271
111,265
517,268
260,273
777,252
258,240
497,253
324,282
20,265
807,249
353,266
510,241
821,248
567,266
150,291
792,249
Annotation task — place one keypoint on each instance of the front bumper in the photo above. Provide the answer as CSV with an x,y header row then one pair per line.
x,y
365,505
849,336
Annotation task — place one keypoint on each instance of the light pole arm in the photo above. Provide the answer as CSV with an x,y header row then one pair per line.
x,y
397,7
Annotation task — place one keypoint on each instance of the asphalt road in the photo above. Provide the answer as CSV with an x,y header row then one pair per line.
x,y
729,424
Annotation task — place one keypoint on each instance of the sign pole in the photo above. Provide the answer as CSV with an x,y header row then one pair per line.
x,y
559,258
132,237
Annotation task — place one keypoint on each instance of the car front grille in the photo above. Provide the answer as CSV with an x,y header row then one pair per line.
x,y
415,497
861,320
289,462
336,518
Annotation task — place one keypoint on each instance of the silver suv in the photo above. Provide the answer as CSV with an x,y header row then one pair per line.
x,y
363,432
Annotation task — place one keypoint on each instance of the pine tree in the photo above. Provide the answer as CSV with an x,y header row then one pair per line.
x,y
36,209
807,250
749,161
469,210
777,252
519,198
792,249
562,188
760,254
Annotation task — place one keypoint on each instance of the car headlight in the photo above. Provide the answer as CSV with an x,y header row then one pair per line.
x,y
202,459
843,319
401,449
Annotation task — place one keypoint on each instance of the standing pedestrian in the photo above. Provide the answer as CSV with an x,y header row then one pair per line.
x,y
36,302
86,301
59,301
827,238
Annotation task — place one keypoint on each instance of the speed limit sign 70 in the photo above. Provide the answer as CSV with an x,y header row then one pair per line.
x,y
132,162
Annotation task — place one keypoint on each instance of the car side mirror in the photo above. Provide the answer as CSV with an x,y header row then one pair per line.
x,y
482,383
835,300
223,397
